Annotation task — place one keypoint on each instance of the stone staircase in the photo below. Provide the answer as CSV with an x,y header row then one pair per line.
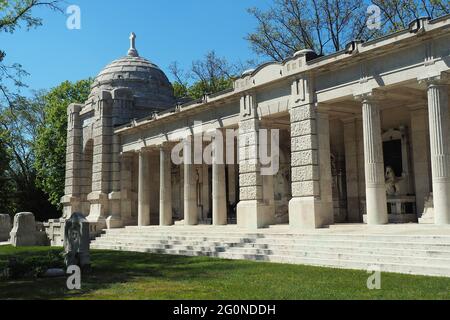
x,y
421,254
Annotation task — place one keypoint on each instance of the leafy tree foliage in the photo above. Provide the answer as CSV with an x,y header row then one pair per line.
x,y
326,26
50,144
209,75
6,187
13,15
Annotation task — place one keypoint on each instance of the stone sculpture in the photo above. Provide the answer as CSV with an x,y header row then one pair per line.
x,y
392,185
76,241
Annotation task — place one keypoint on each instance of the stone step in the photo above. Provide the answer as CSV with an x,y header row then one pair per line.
x,y
337,263
370,254
353,237
430,251
283,242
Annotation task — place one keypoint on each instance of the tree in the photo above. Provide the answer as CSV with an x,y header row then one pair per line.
x,y
209,75
19,124
50,144
326,26
13,15
6,203
397,14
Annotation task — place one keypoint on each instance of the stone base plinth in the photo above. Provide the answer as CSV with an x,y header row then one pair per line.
x,y
310,213
114,222
254,214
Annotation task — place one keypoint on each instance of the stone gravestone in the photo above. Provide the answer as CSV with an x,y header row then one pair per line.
x,y
5,227
76,241
24,230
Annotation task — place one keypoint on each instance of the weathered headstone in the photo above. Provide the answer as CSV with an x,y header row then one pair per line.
x,y
5,227
77,241
24,230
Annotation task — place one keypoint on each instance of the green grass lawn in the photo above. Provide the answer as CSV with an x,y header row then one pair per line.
x,y
124,275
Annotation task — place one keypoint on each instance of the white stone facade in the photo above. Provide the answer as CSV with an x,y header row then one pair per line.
x,y
343,120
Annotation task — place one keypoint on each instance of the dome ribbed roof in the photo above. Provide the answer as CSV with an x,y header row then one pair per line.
x,y
144,78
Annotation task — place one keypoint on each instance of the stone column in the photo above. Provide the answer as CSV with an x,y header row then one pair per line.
x,y
71,200
421,156
376,201
311,205
206,192
440,149
190,199
144,189
351,170
114,197
165,192
126,165
251,210
101,169
219,203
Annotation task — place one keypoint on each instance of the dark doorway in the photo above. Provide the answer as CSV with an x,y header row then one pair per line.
x,y
392,151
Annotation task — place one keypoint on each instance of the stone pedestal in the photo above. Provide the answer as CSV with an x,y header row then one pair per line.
x,y
114,221
97,214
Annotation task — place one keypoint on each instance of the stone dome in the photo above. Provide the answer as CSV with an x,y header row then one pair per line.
x,y
148,83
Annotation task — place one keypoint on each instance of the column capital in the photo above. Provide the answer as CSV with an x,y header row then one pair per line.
x,y
370,97
437,80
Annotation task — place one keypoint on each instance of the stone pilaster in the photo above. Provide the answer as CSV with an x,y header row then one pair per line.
x,y
219,203
190,191
126,194
71,200
165,192
101,169
376,201
144,189
440,148
114,197
311,205
421,156
252,213
351,167
205,190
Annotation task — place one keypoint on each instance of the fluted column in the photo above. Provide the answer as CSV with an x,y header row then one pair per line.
x,y
440,149
190,199
165,194
219,203
144,189
374,163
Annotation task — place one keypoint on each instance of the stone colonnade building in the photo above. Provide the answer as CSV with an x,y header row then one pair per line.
x,y
363,137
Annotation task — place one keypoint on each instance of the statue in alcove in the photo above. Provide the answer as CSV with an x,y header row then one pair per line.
x,y
392,182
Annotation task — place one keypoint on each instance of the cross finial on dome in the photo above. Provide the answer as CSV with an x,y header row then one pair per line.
x,y
133,52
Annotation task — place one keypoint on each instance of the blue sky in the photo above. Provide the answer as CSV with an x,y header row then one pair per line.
x,y
167,31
